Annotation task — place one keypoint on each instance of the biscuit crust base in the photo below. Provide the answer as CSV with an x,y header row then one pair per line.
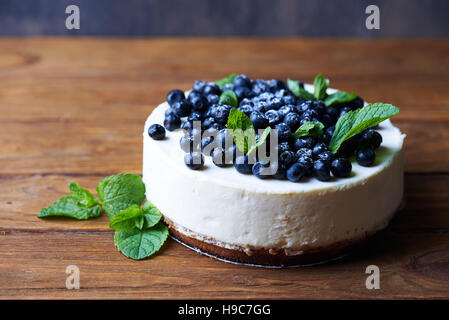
x,y
270,257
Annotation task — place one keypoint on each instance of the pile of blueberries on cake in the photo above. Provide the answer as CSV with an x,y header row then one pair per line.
x,y
266,103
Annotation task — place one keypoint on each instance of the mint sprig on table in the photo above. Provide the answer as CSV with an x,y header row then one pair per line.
x,y
358,120
243,132
80,205
139,231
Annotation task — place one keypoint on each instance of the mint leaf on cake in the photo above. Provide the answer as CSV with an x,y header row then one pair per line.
x,y
119,192
320,85
338,98
299,91
356,121
309,129
229,97
80,205
226,80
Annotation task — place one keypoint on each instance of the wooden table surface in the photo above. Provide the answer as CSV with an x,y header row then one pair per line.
x,y
74,110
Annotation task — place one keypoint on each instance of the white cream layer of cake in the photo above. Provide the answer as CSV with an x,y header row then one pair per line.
x,y
234,210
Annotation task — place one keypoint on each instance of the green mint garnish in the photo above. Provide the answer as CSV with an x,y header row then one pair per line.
x,y
81,205
226,80
261,140
151,214
320,84
310,129
243,133
339,97
302,93
119,192
128,219
229,97
358,120
139,244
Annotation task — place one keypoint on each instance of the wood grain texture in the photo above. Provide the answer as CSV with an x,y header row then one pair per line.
x,y
73,110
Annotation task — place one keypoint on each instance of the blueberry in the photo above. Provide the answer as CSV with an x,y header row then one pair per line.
x,y
326,119
258,119
242,81
348,147
195,116
169,111
175,96
193,94
304,106
304,153
279,170
181,108
246,109
227,87
303,142
258,169
310,113
221,157
292,119
187,126
259,86
357,103
273,117
344,111
194,160
172,122
207,145
156,131
211,88
283,131
326,156
224,138
333,112
261,106
319,148
189,144
242,92
296,172
276,85
198,86
365,157
242,164
284,110
216,126
199,103
287,157
307,163
283,146
206,123
372,139
246,101
213,98
289,99
341,167
221,114
275,103
321,169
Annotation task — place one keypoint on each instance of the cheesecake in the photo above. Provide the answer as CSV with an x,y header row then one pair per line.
x,y
235,217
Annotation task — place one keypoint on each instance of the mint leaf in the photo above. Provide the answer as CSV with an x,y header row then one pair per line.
x,y
139,244
261,140
358,120
310,128
128,219
118,192
242,130
339,97
298,91
226,80
229,97
320,84
81,205
152,215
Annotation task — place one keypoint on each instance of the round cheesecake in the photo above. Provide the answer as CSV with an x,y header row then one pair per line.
x,y
240,218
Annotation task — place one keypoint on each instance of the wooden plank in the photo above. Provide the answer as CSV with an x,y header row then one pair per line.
x,y
33,266
412,255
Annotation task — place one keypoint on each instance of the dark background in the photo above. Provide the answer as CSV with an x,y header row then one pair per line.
x,y
325,18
